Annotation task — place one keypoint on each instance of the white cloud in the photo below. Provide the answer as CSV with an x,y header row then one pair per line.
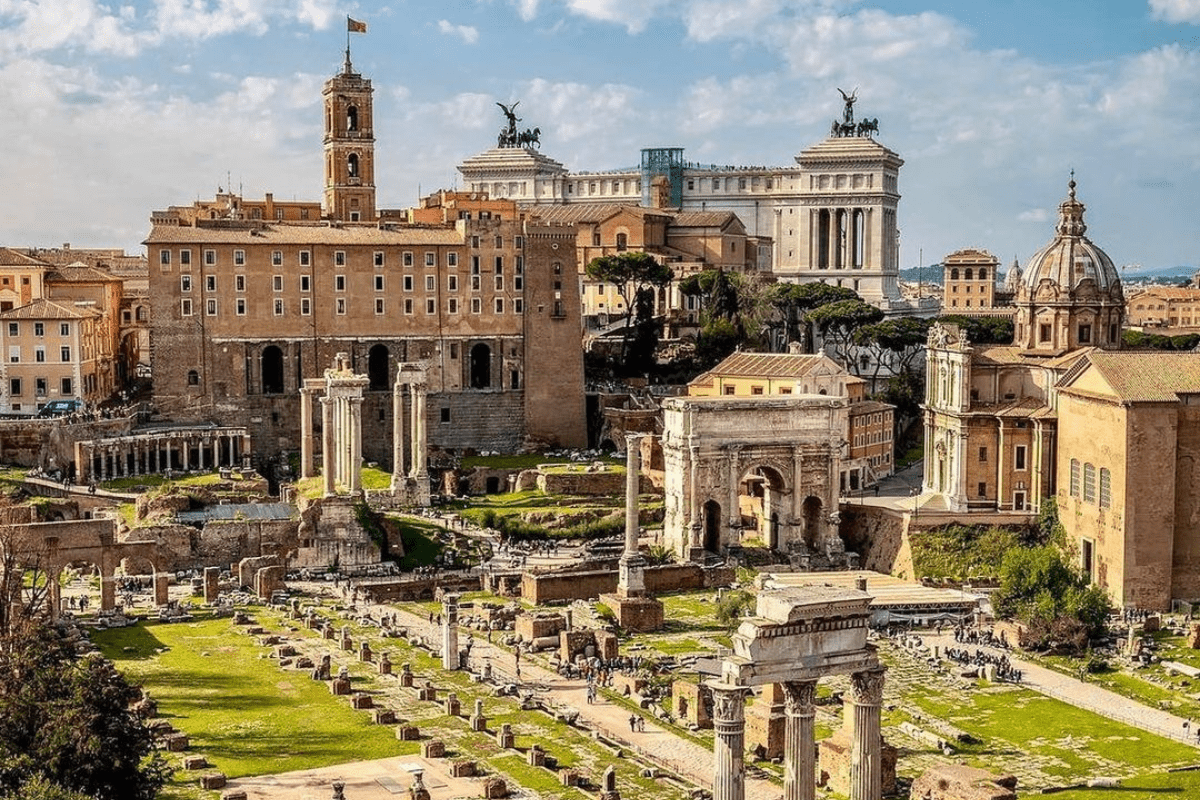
x,y
1038,215
633,14
1176,10
526,9
467,33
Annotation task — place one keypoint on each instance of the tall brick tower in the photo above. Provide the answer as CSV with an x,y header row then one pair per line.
x,y
349,147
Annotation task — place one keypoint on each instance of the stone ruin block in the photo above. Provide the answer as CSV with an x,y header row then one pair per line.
x,y
234,794
161,727
176,742
428,692
833,763
960,782
479,723
344,641
462,768
364,652
628,684
575,642
538,626
607,645
568,777
303,662
339,686
408,733
212,589
535,757
242,618
765,723
434,748
362,702
692,703
385,665
313,621
385,716
269,580
505,737
285,651
327,632
256,630
494,788
213,780
270,640
1151,624
1193,636
406,675
195,762
453,706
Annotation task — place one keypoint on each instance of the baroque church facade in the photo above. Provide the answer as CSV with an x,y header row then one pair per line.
x,y
250,298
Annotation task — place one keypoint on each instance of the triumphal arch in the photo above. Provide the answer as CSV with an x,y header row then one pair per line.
x,y
770,461
796,637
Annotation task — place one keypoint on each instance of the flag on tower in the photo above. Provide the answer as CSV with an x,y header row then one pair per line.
x,y
354,26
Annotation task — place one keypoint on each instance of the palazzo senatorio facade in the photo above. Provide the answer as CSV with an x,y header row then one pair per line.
x,y
251,298
992,412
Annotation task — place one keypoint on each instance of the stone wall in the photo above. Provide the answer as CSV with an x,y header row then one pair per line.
x,y
50,443
580,480
218,543
545,588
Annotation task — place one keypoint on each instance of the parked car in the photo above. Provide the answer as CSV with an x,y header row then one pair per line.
x,y
59,408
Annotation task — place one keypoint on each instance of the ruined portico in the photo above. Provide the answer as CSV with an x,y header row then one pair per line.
x,y
413,486
790,446
796,637
341,427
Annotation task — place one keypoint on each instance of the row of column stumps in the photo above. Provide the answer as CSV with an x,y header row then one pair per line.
x,y
862,718
93,458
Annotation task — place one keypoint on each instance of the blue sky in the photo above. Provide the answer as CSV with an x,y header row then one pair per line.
x,y
114,109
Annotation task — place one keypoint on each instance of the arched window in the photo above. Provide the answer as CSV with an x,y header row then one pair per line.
x,y
141,314
272,370
377,367
954,274
352,165
481,366
193,378
983,273
969,273
622,241
352,118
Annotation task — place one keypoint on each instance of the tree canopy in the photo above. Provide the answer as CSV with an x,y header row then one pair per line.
x,y
1040,588
838,322
793,301
636,275
982,330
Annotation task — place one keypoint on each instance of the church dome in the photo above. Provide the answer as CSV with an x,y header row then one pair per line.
x,y
1071,258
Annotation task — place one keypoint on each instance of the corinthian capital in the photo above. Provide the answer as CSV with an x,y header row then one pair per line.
x,y
866,688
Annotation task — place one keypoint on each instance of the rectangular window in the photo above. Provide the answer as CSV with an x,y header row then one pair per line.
x,y
430,258
445,415
185,307
379,283
210,283
983,454
1043,332
476,305
277,258
408,259
39,355
1089,483
499,305
408,305
378,306
451,259
982,489
499,242
379,258
39,387
452,305
341,306
499,265
240,307
339,283
518,306
239,283
239,258
430,283
185,283
210,257
305,258
64,354
14,329
14,387
306,283
519,242
1074,477
66,387
339,258
1019,457
277,282
756,390
279,306
164,257
452,283
305,306
474,265
64,329
430,306
476,283
39,329
1105,488
1087,555
408,283
475,242
185,257
499,283
211,308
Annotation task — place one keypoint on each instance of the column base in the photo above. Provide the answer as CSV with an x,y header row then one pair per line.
x,y
638,614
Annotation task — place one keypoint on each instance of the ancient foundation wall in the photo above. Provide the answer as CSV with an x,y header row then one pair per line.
x,y
544,588
50,443
218,544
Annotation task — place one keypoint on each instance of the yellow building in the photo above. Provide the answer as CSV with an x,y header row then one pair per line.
x,y
1164,309
969,281
52,352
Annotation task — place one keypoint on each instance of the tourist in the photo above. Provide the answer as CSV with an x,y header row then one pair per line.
x,y
633,722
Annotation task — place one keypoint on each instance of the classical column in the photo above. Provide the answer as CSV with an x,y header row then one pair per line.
x,y
631,581
866,769
418,446
397,433
729,743
328,457
733,512
216,452
799,745
355,445
450,632
306,435
246,450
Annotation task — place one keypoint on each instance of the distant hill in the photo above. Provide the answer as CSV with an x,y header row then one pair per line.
x,y
1164,275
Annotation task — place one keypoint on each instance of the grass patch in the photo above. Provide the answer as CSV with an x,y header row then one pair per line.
x,y
958,551
421,543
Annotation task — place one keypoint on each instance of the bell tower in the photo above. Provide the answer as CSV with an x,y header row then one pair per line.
x,y
349,147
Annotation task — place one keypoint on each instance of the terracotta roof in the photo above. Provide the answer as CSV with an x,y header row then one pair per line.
x,y
80,273
1148,377
869,407
769,365
704,219
15,258
48,309
591,212
1167,293
1011,354
313,233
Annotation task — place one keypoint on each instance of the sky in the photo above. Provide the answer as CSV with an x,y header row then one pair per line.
x,y
109,110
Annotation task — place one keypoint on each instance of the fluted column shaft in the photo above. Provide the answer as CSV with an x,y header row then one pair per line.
x,y
329,457
356,445
631,579
799,743
397,435
729,743
866,767
306,435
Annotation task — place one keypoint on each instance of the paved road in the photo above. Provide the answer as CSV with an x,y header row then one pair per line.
x,y
655,744
1084,695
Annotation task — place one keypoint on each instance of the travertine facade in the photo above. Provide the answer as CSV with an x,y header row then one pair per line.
x,y
247,305
969,281
1165,309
